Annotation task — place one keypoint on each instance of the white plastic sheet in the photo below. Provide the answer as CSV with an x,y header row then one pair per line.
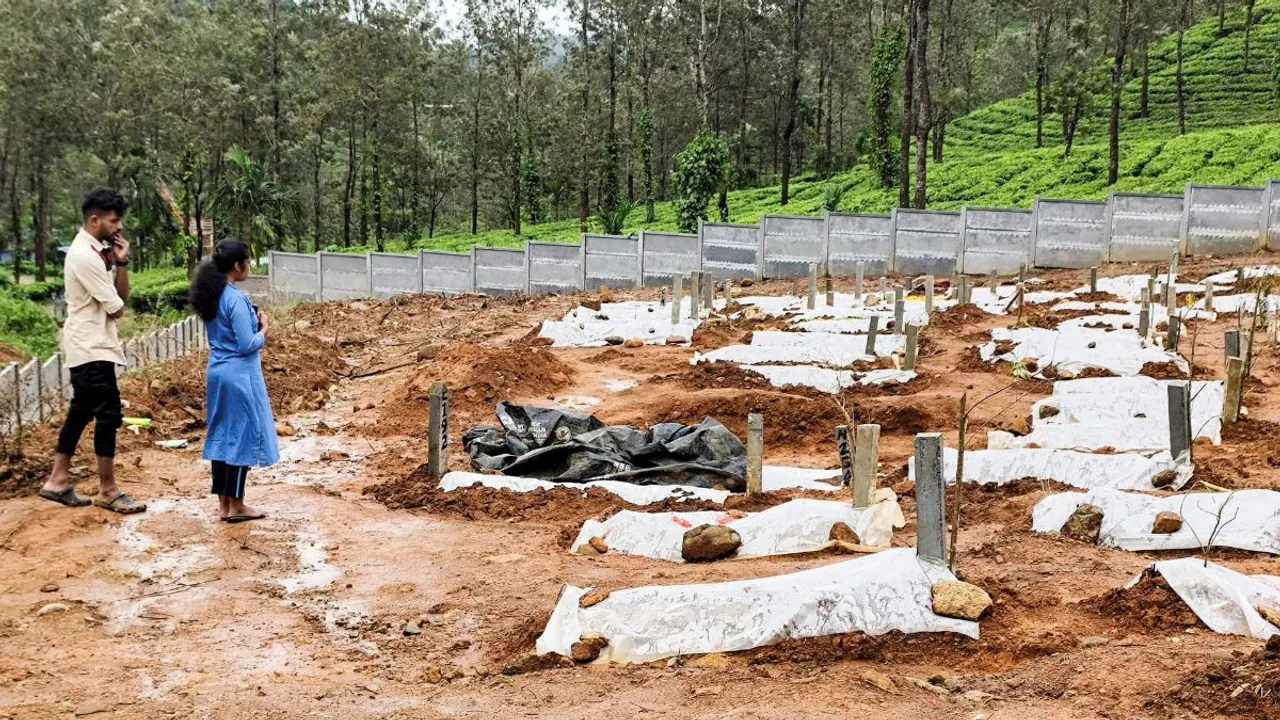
x,y
1246,302
1079,469
647,321
796,526
874,594
1129,414
828,380
845,308
774,477
1241,519
770,347
1122,352
1229,277
1223,599
1130,287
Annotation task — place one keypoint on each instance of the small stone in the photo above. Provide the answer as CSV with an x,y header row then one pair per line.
x,y
412,628
1166,523
363,405
1048,411
952,598
332,455
588,647
842,532
715,661
428,353
1164,479
530,662
1221,655
1095,641
587,550
632,343
709,542
746,282
614,340
49,588
1273,642
1271,615
709,690
93,707
51,608
599,544
606,295
1084,525
595,597
880,680
1093,345
285,430
676,340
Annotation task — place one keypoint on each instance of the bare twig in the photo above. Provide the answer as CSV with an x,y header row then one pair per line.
x,y
955,512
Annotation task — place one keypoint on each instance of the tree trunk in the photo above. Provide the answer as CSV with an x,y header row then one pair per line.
x,y
1179,79
908,106
377,187
5,154
1222,18
415,183
350,186
829,162
925,115
942,111
744,98
475,150
793,93
316,205
276,122
584,172
1044,29
1248,30
15,223
40,219
1144,107
1117,87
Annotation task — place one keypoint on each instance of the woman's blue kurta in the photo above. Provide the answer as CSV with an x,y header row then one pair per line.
x,y
237,410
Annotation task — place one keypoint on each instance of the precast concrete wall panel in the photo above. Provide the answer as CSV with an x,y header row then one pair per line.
x,y
665,255
1144,227
1069,233
295,276
926,242
1224,220
612,260
344,276
499,271
395,274
554,267
1271,205
729,251
995,240
449,273
853,238
791,244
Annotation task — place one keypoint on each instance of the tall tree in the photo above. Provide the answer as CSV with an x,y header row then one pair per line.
x,y
1124,24
924,114
1045,10
795,34
1184,14
908,105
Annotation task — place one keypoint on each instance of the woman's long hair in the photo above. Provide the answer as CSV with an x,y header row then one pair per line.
x,y
211,276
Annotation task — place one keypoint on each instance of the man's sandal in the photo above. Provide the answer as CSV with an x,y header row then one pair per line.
x,y
121,503
66,497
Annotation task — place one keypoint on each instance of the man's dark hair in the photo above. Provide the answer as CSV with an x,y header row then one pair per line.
x,y
103,200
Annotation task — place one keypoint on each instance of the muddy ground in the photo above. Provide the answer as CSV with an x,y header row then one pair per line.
x,y
174,614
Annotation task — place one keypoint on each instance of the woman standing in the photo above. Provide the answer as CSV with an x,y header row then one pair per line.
x,y
241,431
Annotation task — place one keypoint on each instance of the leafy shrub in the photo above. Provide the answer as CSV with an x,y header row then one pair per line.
x,y
701,168
27,326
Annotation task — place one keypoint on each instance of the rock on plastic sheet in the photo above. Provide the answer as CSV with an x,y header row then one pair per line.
x,y
1072,350
1241,519
874,594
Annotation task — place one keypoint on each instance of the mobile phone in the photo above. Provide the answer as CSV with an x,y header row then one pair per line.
x,y
256,325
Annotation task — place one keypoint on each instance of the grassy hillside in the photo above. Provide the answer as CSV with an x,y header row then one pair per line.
x,y
991,159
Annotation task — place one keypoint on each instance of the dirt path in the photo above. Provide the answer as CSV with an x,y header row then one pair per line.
x,y
173,614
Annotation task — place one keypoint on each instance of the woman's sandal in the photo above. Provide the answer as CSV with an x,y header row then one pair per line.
x,y
67,497
243,518
121,503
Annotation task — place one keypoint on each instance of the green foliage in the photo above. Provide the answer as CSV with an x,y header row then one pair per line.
x,y
701,169
831,195
645,130
533,192
159,290
251,202
613,220
886,60
27,326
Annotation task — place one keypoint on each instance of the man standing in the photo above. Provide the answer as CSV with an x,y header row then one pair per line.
x,y
96,283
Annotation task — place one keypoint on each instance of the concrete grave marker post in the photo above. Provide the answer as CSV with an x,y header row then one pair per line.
x,y
437,431
899,309
1232,345
1171,337
995,285
831,293
873,326
677,289
884,288
931,524
1232,391
844,449
962,296
866,461
1093,279
928,294
695,295
755,453
1179,393
913,335
708,295
813,287
859,270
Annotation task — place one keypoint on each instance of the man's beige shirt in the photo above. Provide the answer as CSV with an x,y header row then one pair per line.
x,y
89,335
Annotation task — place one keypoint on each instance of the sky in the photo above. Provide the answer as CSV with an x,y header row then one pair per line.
x,y
554,15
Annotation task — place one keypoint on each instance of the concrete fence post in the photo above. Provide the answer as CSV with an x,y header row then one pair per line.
x,y
931,528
